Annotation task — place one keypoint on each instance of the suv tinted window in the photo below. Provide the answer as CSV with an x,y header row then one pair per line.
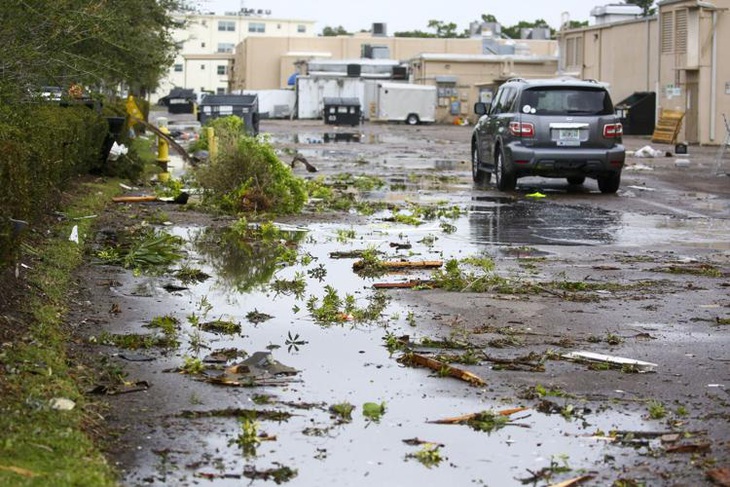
x,y
566,101
504,101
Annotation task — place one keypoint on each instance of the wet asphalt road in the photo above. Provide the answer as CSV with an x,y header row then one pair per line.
x,y
642,249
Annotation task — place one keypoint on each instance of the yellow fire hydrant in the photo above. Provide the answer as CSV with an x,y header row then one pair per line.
x,y
212,142
163,151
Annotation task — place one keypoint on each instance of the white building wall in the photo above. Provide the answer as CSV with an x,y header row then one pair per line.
x,y
207,44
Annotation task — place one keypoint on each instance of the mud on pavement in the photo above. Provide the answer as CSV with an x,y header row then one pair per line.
x,y
287,366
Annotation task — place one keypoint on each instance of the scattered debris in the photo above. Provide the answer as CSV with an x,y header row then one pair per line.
x,y
469,417
400,246
648,151
61,404
121,388
300,158
536,195
573,481
180,199
279,475
259,369
638,365
413,283
18,470
419,442
221,326
703,447
373,411
441,368
135,357
74,237
720,476
401,264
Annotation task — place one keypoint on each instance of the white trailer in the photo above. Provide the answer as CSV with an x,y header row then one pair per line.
x,y
312,90
402,102
274,103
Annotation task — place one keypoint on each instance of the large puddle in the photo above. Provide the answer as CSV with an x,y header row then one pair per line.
x,y
349,363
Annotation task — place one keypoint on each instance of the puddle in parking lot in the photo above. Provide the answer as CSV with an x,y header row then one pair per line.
x,y
348,363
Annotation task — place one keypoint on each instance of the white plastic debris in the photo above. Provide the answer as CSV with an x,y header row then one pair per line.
x,y
74,234
648,151
639,365
61,404
116,151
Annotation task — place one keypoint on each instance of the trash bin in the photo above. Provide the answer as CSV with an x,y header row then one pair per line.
x,y
342,111
637,113
243,106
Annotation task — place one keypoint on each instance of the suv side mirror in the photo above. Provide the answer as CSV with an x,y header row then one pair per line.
x,y
481,108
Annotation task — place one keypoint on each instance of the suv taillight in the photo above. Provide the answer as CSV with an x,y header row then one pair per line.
x,y
522,129
613,130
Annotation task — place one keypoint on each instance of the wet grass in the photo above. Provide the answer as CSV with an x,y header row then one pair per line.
x,y
41,445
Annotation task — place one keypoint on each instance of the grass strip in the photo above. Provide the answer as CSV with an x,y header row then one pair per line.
x,y
41,445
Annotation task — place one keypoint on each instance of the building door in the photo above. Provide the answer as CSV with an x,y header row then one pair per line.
x,y
691,116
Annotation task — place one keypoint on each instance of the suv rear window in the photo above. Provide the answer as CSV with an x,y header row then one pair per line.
x,y
565,101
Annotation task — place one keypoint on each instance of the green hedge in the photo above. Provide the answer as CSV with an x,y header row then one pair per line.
x,y
42,147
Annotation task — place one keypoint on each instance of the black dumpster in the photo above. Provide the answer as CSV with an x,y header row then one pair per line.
x,y
179,100
243,106
342,111
638,113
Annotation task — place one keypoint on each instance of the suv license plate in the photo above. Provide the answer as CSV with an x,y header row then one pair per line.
x,y
569,137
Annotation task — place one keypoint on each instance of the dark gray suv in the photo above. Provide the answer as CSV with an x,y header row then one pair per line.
x,y
557,128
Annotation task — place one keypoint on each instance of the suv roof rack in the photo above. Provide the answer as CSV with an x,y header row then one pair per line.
x,y
515,80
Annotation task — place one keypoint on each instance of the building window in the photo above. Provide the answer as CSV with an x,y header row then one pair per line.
x,y
220,91
202,67
680,31
226,26
222,69
202,44
178,68
574,52
301,28
257,27
667,34
225,47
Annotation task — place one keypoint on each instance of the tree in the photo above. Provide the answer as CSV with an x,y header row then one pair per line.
x,y
646,6
514,31
87,42
443,29
334,31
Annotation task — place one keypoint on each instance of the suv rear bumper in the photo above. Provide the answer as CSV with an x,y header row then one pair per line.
x,y
560,162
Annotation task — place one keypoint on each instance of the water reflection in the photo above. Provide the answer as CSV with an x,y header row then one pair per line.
x,y
244,264
503,221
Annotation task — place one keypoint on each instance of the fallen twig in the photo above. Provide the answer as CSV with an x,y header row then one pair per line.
x,y
442,368
467,417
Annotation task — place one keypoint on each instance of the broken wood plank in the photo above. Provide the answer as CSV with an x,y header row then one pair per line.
x,y
443,368
401,264
468,417
639,365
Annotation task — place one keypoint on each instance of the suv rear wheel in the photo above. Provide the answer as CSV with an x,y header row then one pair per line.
x,y
609,183
504,175
480,177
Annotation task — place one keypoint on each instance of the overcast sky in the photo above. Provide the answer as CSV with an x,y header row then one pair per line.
x,y
407,15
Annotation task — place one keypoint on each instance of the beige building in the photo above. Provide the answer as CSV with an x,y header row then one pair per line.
x,y
462,80
674,54
207,44
267,63
457,67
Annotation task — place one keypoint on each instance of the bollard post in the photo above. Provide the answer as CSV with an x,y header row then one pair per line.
x,y
212,142
163,151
